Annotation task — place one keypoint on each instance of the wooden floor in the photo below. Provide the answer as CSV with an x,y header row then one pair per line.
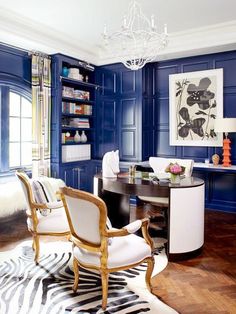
x,y
206,284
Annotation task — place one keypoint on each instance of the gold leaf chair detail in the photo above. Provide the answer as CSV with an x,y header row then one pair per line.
x,y
54,224
97,247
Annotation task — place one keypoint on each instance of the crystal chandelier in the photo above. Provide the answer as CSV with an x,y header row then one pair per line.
x,y
138,41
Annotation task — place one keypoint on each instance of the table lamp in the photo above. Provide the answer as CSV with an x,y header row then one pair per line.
x,y
225,125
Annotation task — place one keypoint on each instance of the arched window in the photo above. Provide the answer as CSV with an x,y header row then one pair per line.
x,y
20,131
16,127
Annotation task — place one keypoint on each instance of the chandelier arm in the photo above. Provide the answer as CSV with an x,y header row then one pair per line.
x,y
138,42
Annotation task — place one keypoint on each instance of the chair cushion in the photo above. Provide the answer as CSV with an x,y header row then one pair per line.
x,y
55,222
123,251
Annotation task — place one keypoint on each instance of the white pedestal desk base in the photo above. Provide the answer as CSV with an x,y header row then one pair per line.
x,y
186,221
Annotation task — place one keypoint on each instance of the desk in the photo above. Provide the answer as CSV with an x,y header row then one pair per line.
x,y
186,208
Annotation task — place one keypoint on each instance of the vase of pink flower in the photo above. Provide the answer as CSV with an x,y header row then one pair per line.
x,y
175,171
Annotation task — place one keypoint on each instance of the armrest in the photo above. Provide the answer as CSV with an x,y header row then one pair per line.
x,y
128,229
133,226
52,205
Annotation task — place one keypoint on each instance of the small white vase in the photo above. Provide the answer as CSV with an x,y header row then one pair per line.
x,y
175,178
77,137
83,137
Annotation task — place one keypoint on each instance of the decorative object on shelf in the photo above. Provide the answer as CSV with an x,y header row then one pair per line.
x,y
110,164
75,74
65,71
196,100
83,137
138,41
226,125
77,137
175,171
67,134
215,159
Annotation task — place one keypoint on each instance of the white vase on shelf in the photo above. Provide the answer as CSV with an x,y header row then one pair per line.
x,y
83,137
77,137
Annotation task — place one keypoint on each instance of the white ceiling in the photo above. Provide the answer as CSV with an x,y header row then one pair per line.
x,y
74,27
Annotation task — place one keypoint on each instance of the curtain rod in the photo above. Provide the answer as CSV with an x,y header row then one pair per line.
x,y
38,53
30,52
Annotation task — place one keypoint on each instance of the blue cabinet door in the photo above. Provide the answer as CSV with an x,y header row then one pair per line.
x,y
78,177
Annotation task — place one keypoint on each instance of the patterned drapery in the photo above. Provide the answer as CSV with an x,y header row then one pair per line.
x,y
41,114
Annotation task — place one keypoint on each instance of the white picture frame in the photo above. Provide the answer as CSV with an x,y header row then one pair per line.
x,y
195,100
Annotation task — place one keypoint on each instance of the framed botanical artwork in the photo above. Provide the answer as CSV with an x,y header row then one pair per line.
x,y
196,99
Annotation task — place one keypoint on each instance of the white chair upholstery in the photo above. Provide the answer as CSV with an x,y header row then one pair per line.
x,y
44,218
123,251
56,222
159,164
87,217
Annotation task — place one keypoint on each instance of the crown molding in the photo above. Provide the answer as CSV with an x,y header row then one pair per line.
x,y
30,35
27,34
202,40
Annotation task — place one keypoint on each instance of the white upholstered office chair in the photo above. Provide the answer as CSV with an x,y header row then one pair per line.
x,y
156,207
46,215
96,247
159,164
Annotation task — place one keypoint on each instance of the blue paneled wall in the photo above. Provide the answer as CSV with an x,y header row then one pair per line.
x,y
139,104
15,65
227,61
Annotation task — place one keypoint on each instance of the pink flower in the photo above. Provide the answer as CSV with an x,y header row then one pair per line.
x,y
175,168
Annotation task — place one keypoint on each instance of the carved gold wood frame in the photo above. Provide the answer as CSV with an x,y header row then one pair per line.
x,y
32,214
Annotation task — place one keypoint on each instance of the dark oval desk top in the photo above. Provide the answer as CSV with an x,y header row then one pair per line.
x,y
124,184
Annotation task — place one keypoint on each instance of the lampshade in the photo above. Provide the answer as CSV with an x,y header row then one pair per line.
x,y
226,125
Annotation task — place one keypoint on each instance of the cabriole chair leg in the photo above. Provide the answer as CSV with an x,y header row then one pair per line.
x,y
149,271
76,274
104,277
36,248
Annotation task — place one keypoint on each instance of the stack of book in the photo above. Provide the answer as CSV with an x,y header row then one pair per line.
x,y
75,93
80,123
70,107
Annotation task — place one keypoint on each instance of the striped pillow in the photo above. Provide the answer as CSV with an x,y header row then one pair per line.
x,y
43,193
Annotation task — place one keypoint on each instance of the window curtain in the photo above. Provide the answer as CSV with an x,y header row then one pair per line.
x,y
41,114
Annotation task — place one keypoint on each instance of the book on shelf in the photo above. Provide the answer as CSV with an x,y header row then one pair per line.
x,y
70,107
79,123
75,93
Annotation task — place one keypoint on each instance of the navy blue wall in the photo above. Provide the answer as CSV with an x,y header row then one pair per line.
x,y
162,70
15,65
145,94
119,112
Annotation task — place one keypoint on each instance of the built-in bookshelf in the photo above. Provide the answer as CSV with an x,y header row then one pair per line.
x,y
73,115
77,110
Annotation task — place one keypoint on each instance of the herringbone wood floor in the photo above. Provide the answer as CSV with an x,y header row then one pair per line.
x,y
203,285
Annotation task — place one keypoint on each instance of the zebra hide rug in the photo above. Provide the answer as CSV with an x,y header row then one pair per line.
x,y
46,288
